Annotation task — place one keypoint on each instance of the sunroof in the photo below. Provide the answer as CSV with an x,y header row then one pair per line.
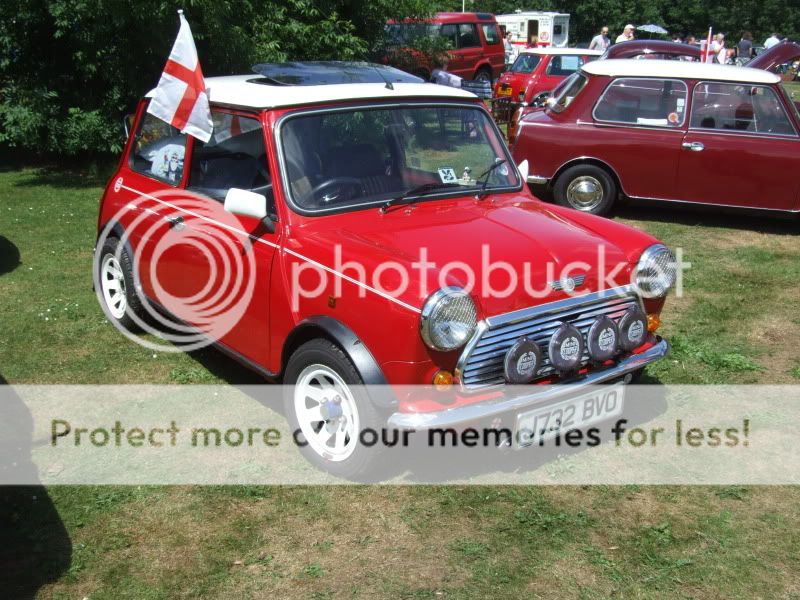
x,y
330,72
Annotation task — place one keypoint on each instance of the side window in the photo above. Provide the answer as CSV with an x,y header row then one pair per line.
x,y
468,36
651,102
450,33
158,150
234,157
564,65
739,107
490,33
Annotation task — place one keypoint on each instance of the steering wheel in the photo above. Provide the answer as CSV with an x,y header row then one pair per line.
x,y
337,185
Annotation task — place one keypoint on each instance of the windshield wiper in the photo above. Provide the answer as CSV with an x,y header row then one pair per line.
x,y
417,191
484,177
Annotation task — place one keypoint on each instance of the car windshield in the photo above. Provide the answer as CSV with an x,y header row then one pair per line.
x,y
345,159
525,63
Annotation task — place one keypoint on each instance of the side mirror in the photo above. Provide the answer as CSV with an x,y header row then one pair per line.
x,y
523,170
249,204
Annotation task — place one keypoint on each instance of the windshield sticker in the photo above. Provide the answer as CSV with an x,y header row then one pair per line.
x,y
448,175
673,118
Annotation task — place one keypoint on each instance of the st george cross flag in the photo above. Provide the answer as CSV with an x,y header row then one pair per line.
x,y
180,98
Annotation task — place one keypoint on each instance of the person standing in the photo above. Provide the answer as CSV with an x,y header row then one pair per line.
x,y
600,41
744,49
775,38
691,40
509,49
626,35
721,52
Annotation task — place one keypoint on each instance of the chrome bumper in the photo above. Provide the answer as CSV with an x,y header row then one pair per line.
x,y
537,180
490,408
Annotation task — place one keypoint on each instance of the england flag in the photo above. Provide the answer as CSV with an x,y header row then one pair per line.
x,y
181,98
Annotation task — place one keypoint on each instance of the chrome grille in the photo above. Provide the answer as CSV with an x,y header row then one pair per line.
x,y
481,364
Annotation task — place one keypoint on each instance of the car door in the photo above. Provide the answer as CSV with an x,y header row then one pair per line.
x,y
639,128
470,50
217,275
740,150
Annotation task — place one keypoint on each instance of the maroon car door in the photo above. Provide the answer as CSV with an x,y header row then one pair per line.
x,y
639,127
741,149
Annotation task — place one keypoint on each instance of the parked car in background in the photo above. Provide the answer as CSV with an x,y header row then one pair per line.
x,y
474,39
653,49
538,70
780,59
315,170
665,130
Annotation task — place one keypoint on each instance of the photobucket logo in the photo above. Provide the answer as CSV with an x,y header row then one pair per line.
x,y
188,255
489,278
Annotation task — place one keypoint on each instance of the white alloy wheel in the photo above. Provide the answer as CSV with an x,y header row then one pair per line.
x,y
326,412
112,283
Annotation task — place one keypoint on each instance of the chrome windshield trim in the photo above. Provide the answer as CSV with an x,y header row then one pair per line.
x,y
497,406
379,105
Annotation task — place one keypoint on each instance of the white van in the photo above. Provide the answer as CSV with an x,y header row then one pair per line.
x,y
550,28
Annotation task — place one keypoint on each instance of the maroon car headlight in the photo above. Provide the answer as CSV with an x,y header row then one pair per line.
x,y
448,319
655,272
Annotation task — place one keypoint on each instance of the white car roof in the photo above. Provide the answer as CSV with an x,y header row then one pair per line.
x,y
242,90
575,51
681,69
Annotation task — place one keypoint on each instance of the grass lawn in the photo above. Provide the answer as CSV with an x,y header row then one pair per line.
x,y
738,323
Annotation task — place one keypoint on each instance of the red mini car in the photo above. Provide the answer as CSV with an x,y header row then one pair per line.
x,y
475,42
348,225
665,130
538,70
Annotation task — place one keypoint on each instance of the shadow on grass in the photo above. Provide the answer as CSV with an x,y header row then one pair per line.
x,y
63,177
9,255
706,216
35,548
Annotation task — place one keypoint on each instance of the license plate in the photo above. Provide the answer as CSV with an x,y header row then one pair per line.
x,y
504,92
536,426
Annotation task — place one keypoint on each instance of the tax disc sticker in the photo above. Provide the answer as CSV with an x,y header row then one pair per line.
x,y
448,175
673,118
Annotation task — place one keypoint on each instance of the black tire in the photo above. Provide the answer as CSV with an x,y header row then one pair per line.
x,y
133,301
359,464
484,74
594,181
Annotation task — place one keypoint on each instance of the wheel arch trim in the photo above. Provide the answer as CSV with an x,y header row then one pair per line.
x,y
324,326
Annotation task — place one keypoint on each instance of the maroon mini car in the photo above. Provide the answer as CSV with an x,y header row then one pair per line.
x,y
779,59
653,49
665,130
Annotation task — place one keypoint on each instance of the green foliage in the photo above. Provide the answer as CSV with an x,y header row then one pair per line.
x,y
70,69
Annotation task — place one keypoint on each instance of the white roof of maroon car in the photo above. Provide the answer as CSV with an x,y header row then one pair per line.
x,y
680,69
551,50
240,90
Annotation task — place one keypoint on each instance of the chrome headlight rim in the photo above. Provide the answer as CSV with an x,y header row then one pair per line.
x,y
428,310
648,258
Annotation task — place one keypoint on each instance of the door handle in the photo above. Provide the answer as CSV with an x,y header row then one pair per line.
x,y
175,222
694,146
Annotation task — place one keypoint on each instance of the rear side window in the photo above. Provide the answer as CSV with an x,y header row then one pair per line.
x,y
490,33
566,92
564,65
158,150
738,107
650,102
468,36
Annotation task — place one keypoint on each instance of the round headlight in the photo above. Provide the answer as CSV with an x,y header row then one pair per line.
x,y
448,319
655,272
